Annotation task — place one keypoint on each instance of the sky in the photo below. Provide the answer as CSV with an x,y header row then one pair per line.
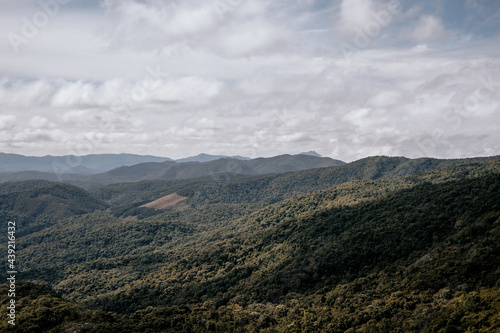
x,y
345,78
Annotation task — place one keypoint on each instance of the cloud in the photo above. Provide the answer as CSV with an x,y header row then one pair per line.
x,y
19,93
142,22
101,120
385,98
429,29
7,122
34,136
253,38
75,94
355,14
112,94
295,137
227,29
39,122
189,90
171,78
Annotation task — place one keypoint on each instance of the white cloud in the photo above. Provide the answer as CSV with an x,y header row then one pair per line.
x,y
385,98
34,136
19,93
189,21
252,38
190,90
294,137
357,117
355,14
138,20
114,94
429,29
75,94
7,122
104,121
40,122
266,78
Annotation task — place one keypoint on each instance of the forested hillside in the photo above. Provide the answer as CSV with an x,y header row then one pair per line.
x,y
234,188
39,204
376,245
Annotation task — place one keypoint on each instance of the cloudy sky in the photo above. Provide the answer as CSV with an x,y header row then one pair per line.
x,y
346,78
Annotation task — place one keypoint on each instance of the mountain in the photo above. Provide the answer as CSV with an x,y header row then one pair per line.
x,y
164,170
311,153
271,188
375,252
330,171
278,164
208,158
70,164
187,170
32,175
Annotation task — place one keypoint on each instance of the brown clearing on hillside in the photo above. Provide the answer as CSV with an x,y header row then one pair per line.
x,y
171,201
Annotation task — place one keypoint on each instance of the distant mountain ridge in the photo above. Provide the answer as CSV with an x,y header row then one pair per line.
x,y
71,164
209,158
186,170
375,167
96,163
170,169
311,153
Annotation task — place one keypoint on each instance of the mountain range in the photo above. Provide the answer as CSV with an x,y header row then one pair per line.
x,y
207,158
97,163
89,164
198,166
381,244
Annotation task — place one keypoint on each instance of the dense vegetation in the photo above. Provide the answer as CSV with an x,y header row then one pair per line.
x,y
230,187
372,246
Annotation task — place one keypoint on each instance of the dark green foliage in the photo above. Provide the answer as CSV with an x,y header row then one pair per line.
x,y
55,200
132,193
323,249
11,187
35,205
